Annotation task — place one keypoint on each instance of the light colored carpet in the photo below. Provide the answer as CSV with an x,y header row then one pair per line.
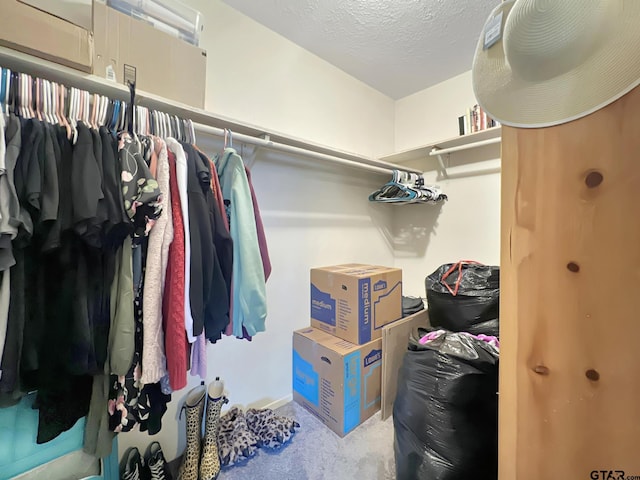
x,y
316,453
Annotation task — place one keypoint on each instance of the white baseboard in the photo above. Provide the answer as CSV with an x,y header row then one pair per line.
x,y
279,403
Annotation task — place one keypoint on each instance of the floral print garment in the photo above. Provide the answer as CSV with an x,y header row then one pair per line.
x,y
124,408
142,196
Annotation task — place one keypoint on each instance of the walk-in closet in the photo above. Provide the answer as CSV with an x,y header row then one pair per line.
x,y
318,240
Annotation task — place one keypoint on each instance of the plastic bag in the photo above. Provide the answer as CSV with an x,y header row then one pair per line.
x,y
445,414
411,305
465,297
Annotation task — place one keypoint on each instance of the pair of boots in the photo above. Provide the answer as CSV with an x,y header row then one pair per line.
x,y
201,459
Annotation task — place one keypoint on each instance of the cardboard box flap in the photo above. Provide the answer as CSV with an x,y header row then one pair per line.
x,y
356,269
338,345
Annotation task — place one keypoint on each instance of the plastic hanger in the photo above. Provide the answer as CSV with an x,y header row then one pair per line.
x,y
21,98
38,100
46,111
81,111
147,119
3,88
98,108
94,110
24,95
63,98
163,132
115,115
105,110
73,113
192,130
8,96
31,92
176,124
185,131
53,103
4,94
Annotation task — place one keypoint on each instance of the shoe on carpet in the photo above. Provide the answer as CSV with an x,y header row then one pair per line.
x,y
236,442
273,431
132,466
156,465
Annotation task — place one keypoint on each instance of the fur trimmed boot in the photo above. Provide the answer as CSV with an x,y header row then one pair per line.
x,y
194,405
210,459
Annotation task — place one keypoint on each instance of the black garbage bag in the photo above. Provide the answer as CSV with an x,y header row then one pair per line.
x,y
445,414
465,297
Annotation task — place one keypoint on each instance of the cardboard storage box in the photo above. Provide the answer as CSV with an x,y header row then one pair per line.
x,y
33,31
337,381
355,301
78,12
130,49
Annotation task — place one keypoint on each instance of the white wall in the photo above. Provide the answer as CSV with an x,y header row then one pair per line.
x,y
318,215
468,225
314,215
257,76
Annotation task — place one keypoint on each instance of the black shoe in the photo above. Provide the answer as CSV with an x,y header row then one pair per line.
x,y
131,466
157,466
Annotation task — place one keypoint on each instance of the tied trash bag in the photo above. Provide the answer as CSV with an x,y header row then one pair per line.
x,y
445,414
465,297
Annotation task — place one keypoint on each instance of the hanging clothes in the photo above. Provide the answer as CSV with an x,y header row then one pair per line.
x,y
121,255
182,179
262,239
153,359
223,248
249,290
173,300
208,290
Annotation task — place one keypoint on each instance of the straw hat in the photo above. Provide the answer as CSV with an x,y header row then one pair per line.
x,y
557,60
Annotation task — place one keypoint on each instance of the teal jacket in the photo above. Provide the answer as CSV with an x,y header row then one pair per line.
x,y
249,298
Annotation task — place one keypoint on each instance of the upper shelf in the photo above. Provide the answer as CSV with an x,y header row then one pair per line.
x,y
208,121
423,151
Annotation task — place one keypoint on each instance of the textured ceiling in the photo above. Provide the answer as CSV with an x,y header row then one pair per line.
x,y
397,46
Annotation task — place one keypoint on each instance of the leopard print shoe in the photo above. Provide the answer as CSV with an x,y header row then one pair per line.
x,y
194,405
210,459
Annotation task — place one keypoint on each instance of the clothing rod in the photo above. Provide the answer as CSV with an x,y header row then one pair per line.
x,y
265,143
436,151
29,64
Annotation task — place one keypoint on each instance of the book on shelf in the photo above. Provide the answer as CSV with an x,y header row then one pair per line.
x,y
475,120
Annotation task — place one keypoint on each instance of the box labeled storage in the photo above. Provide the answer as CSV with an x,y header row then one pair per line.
x,y
36,32
337,381
130,49
354,301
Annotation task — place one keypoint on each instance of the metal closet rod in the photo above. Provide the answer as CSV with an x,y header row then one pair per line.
x,y
282,147
202,120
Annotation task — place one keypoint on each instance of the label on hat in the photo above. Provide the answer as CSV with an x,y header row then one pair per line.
x,y
493,31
